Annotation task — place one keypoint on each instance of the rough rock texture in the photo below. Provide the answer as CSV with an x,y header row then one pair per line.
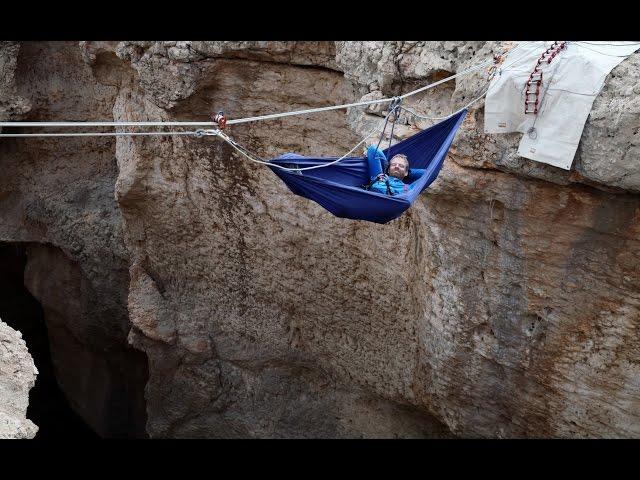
x,y
505,303
12,106
610,144
17,376
58,197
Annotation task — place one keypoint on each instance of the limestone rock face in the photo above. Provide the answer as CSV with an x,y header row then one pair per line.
x,y
58,198
17,376
610,144
504,303
12,106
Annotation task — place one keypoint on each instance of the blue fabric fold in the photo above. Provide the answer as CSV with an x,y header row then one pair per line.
x,y
338,188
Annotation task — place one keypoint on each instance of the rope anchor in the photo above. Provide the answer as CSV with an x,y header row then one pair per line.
x,y
394,108
220,119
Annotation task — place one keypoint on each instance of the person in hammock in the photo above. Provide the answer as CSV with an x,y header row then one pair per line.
x,y
393,181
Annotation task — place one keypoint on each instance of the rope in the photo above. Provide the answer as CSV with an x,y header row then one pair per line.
x,y
612,44
241,120
96,134
254,158
106,124
468,104
571,91
602,53
392,111
448,116
464,72
401,97
393,124
369,102
247,119
517,59
216,132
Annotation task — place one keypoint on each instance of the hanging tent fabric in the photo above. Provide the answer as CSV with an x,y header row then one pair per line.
x,y
338,188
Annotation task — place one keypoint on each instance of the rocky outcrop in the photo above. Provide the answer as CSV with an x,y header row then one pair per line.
x,y
504,303
17,376
12,106
610,144
58,197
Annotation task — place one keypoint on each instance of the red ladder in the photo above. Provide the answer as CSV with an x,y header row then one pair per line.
x,y
535,78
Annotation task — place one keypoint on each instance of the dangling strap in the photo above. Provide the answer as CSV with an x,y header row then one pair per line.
x,y
396,113
386,120
394,109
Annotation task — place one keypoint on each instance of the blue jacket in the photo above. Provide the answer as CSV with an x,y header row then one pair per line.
x,y
376,159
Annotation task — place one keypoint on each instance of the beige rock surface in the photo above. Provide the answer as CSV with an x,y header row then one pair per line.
x,y
17,376
503,304
58,198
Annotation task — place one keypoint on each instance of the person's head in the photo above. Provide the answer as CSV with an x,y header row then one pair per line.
x,y
399,166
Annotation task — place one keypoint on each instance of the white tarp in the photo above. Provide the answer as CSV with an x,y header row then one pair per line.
x,y
569,86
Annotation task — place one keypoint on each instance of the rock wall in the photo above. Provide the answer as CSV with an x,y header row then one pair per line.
x,y
57,197
503,304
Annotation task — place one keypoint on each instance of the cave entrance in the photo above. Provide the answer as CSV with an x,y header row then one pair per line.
x,y
48,406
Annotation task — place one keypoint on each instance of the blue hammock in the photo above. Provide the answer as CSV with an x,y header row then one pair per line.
x,y
338,188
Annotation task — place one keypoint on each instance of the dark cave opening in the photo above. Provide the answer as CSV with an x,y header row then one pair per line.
x,y
48,406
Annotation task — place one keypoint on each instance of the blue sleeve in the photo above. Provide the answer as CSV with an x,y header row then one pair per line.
x,y
414,175
375,158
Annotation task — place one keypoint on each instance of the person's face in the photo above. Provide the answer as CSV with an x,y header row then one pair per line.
x,y
398,167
